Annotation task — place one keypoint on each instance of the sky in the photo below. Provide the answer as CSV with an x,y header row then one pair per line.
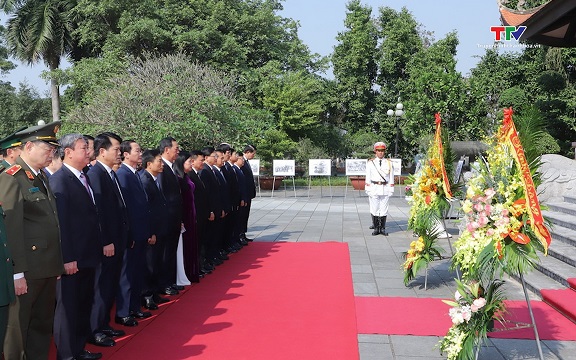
x,y
321,21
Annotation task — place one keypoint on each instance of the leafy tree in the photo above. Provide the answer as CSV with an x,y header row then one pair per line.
x,y
433,86
296,100
5,64
355,66
20,108
170,94
41,30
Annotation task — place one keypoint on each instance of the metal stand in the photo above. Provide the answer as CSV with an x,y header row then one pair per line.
x,y
536,337
321,187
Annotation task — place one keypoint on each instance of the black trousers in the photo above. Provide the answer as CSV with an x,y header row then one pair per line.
x,y
74,296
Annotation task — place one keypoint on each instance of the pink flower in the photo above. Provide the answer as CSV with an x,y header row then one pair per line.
x,y
478,207
482,220
488,208
478,304
490,232
505,212
490,192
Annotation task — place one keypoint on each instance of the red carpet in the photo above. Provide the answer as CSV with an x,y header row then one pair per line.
x,y
269,301
429,317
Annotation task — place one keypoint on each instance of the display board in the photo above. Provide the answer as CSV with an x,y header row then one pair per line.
x,y
356,167
255,166
397,166
320,167
284,167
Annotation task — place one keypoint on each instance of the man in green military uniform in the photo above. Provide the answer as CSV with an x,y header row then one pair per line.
x,y
6,279
33,237
10,148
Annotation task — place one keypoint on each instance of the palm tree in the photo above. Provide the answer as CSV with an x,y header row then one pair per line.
x,y
40,30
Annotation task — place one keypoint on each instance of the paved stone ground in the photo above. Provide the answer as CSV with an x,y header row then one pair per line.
x,y
342,214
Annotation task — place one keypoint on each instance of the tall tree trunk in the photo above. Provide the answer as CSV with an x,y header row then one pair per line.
x,y
55,92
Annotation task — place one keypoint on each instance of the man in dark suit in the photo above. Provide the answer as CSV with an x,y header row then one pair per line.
x,y
249,153
237,161
202,207
152,167
113,220
134,265
170,187
33,237
223,151
81,251
6,278
216,206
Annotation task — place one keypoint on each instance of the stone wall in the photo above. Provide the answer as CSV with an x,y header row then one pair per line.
x,y
558,178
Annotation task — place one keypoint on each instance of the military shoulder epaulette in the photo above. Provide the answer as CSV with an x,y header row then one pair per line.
x,y
2,168
13,169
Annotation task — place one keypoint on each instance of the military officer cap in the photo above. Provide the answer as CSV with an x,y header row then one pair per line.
x,y
11,140
379,146
44,132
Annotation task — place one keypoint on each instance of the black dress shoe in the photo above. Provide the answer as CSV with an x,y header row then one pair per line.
x,y
100,339
113,332
217,261
87,355
246,238
243,242
149,303
177,287
159,299
126,321
223,256
231,250
140,314
169,291
208,267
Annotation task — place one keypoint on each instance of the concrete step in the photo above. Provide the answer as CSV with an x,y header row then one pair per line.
x,y
561,234
536,281
556,269
570,199
562,219
563,252
563,207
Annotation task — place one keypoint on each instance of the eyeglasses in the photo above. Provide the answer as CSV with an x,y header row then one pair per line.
x,y
214,156
47,148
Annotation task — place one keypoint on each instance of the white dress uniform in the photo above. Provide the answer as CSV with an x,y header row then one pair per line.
x,y
379,185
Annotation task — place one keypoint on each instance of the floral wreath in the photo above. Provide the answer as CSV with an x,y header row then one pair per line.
x,y
504,231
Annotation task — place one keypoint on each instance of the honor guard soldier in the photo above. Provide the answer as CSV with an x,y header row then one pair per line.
x,y
379,187
33,236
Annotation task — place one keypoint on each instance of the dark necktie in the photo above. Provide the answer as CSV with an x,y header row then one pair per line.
x,y
44,180
86,186
380,162
115,181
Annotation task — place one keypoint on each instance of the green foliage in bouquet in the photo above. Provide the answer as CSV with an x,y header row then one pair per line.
x,y
423,250
473,313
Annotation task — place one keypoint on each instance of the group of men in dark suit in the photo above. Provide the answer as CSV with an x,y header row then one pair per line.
x,y
105,237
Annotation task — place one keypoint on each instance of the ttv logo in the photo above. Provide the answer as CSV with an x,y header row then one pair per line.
x,y
508,31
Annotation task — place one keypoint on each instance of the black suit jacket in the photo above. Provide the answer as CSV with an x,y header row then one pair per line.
x,y
242,188
249,176
157,203
200,197
170,187
232,180
136,201
213,189
112,213
78,217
